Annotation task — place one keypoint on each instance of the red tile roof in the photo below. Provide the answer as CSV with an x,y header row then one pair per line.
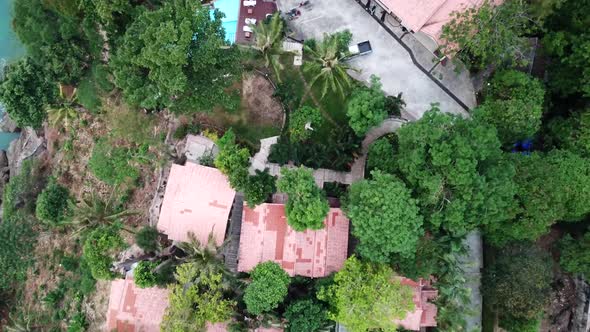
x,y
259,13
429,16
267,237
134,309
198,199
424,314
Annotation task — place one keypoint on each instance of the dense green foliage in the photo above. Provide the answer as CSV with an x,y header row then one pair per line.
x,y
258,188
144,276
514,105
98,249
518,281
366,107
299,119
111,164
306,316
570,133
385,218
52,203
196,298
174,57
455,168
488,35
550,187
232,160
366,296
269,34
268,288
568,43
512,324
575,254
58,39
16,243
306,206
381,155
147,238
25,92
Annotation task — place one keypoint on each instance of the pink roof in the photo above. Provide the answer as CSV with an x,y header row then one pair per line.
x,y
198,199
266,236
424,314
429,16
134,309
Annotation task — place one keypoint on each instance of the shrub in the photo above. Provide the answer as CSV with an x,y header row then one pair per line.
x,y
143,274
306,207
185,129
306,316
298,120
112,164
269,287
259,187
366,107
22,190
518,281
511,324
575,254
232,160
147,238
88,96
394,105
52,203
98,248
382,155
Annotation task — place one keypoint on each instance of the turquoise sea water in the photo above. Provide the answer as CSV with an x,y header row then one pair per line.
x,y
10,50
10,47
231,9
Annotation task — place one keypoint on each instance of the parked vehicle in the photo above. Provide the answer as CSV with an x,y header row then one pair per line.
x,y
361,48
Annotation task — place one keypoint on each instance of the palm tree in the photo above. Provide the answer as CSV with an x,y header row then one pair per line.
x,y
268,37
327,65
65,112
93,211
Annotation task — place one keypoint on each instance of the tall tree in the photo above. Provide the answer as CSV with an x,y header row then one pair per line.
x,y
328,67
232,160
58,37
455,168
489,35
367,297
385,218
570,133
568,43
269,287
517,284
196,298
268,41
513,104
550,188
306,206
25,92
575,254
177,57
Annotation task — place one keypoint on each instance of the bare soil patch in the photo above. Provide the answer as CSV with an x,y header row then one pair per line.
x,y
262,107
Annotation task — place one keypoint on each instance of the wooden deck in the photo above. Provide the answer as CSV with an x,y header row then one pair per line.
x,y
259,12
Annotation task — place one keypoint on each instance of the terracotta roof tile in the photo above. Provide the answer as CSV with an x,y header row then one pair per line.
x,y
266,236
198,199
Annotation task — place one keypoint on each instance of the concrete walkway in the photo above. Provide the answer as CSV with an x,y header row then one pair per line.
x,y
322,175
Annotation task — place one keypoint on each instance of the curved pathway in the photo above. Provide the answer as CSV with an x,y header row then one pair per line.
x,y
322,175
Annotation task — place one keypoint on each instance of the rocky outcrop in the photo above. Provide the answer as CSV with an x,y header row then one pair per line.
x,y
28,145
581,313
7,125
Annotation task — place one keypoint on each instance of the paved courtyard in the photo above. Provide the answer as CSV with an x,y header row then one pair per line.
x,y
389,60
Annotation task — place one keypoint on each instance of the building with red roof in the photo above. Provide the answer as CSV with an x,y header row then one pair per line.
x,y
428,16
198,199
134,309
424,314
266,236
